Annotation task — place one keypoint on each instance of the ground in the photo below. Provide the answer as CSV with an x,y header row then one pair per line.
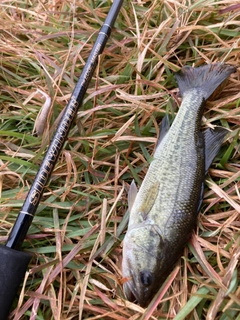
x,y
76,236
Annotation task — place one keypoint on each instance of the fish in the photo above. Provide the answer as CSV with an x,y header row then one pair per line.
x,y
163,212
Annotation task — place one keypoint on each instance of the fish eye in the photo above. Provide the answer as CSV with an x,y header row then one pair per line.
x,y
146,278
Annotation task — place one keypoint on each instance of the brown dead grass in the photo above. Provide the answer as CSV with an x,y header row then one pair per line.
x,y
76,237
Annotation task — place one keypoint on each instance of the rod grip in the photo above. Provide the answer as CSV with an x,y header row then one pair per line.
x,y
13,265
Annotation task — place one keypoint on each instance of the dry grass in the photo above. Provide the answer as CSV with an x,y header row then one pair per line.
x,y
76,237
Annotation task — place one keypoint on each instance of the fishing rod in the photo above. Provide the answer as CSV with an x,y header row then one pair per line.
x,y
13,262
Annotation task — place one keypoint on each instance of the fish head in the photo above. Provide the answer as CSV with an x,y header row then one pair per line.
x,y
143,262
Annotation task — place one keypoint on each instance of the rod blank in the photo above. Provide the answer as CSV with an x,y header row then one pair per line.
x,y
25,217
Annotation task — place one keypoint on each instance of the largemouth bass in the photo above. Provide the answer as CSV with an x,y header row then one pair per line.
x,y
163,212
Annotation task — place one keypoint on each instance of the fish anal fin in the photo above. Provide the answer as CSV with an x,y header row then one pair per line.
x,y
132,194
213,139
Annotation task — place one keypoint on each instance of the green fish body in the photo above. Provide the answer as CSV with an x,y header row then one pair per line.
x,y
163,212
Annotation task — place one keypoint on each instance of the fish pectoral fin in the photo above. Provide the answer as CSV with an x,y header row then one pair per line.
x,y
213,139
148,200
132,195
164,127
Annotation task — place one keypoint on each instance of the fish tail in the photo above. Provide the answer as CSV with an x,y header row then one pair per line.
x,y
205,78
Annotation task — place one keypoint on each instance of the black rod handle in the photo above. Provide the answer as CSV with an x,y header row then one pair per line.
x,y
25,217
13,266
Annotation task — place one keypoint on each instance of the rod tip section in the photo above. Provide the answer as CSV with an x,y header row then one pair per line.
x,y
113,12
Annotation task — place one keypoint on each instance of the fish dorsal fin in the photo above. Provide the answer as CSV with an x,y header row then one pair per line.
x,y
132,194
213,139
164,127
149,198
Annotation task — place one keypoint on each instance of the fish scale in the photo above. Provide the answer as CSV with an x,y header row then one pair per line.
x,y
163,212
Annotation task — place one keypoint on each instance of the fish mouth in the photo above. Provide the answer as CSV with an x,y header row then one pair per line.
x,y
134,294
142,299
128,292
